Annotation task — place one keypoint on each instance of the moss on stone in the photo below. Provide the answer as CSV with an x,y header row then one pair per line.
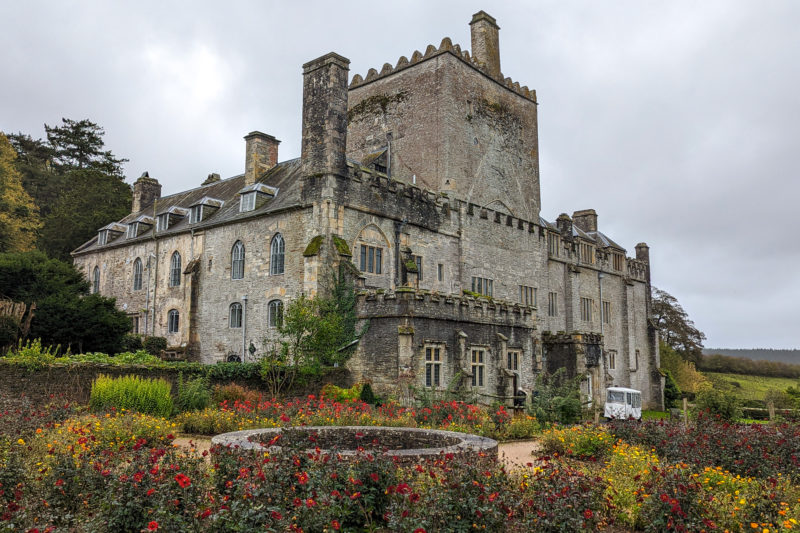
x,y
342,246
313,247
405,330
411,266
371,105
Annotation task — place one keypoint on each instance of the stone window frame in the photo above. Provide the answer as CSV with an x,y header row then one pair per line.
x,y
277,255
606,311
173,321
478,366
587,309
235,315
162,222
635,362
618,261
528,295
133,230
102,237
483,286
418,261
135,320
434,354
237,260
587,253
553,244
513,357
612,359
137,274
371,259
96,280
274,313
552,303
440,272
175,269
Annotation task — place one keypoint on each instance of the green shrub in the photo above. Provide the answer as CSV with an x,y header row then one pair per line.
x,y
672,393
154,345
150,396
9,330
132,342
32,355
367,395
193,394
338,394
726,406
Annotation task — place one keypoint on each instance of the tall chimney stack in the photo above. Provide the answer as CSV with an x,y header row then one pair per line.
x,y
585,219
145,191
325,115
261,154
486,43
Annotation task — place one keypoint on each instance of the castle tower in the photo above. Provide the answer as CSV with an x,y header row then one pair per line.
x,y
325,115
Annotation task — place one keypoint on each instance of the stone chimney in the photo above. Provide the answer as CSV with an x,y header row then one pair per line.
x,y
261,154
643,252
585,219
145,191
325,115
564,225
486,43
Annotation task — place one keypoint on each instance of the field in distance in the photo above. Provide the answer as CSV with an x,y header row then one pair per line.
x,y
748,387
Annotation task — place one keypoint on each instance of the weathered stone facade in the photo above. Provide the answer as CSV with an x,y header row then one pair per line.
x,y
426,177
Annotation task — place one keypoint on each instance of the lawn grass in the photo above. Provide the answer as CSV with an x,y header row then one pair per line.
x,y
747,387
654,415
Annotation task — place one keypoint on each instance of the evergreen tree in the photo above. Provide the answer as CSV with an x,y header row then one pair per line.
x,y
65,313
79,145
19,218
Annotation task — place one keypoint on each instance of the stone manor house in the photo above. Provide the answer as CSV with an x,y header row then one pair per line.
x,y
423,177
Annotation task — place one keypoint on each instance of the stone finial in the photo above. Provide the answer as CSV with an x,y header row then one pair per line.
x,y
485,35
416,56
402,62
371,74
564,225
356,80
430,50
212,178
643,252
261,154
325,115
446,44
585,219
387,69
145,191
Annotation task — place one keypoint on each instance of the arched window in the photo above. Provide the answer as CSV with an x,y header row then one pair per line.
x,y
276,255
173,321
235,315
237,261
96,280
137,274
175,270
275,313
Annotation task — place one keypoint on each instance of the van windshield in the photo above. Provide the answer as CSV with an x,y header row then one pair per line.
x,y
615,396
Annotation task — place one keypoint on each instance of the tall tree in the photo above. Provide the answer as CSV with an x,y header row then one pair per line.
x,y
675,327
79,145
90,200
73,178
19,218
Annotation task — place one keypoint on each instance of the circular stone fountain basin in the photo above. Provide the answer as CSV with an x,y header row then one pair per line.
x,y
402,444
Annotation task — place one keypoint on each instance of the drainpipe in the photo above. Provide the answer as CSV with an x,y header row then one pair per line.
x,y
244,327
600,276
147,294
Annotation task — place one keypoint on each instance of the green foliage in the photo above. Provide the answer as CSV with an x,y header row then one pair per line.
x,y
32,355
224,371
79,145
367,395
65,314
19,217
193,394
556,398
338,394
341,246
742,365
313,246
686,377
751,389
726,406
154,345
132,342
149,396
672,393
90,200
675,328
9,331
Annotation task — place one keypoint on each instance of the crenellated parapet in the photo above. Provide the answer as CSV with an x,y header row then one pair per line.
x,y
409,302
445,47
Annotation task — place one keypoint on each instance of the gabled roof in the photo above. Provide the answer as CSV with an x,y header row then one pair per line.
x,y
283,179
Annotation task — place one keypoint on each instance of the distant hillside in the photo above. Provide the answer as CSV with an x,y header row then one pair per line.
x,y
757,354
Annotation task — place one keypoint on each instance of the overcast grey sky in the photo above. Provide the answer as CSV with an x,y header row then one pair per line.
x,y
676,121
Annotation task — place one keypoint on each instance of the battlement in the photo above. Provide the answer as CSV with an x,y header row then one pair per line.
x,y
445,47
410,302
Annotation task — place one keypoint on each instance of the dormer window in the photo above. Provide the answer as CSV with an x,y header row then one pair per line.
x,y
204,208
102,237
133,230
247,202
253,196
162,222
106,234
197,214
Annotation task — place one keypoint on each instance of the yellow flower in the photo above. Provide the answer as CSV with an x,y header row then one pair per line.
x,y
21,442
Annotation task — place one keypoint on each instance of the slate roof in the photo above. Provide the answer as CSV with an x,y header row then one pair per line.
x,y
285,177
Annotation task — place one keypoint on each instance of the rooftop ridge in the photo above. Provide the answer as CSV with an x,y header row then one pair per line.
x,y
446,46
